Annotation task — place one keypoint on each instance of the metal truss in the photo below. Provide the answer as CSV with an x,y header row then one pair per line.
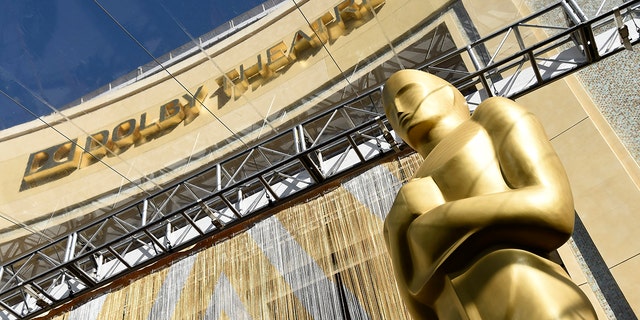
x,y
529,65
348,136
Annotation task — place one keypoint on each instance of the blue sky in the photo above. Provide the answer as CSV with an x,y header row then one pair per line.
x,y
61,50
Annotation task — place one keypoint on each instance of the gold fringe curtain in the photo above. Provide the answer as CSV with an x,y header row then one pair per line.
x,y
334,241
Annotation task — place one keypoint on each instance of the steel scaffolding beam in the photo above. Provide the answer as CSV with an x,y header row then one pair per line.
x,y
350,135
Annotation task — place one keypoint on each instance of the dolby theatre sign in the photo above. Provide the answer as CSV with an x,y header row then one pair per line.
x,y
61,160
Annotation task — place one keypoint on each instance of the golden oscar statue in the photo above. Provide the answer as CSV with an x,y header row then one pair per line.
x,y
469,233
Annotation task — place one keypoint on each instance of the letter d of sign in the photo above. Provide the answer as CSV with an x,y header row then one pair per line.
x,y
95,148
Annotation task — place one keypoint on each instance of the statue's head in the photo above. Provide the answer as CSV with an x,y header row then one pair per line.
x,y
415,102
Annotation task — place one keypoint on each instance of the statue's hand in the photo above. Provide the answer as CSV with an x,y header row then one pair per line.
x,y
420,195
431,238
415,197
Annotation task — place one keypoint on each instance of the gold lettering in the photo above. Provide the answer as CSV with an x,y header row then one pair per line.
x,y
124,130
146,132
235,82
242,80
349,10
321,33
192,108
95,148
301,41
258,69
123,136
326,28
276,57
227,82
61,160
344,11
337,22
171,115
51,163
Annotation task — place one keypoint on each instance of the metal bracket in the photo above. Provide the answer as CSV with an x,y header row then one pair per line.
x,y
623,31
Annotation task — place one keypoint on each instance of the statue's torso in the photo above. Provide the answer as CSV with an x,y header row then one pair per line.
x,y
463,165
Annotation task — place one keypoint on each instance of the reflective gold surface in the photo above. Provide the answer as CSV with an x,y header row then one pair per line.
x,y
468,233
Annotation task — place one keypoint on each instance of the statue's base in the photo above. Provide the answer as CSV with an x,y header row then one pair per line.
x,y
512,284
